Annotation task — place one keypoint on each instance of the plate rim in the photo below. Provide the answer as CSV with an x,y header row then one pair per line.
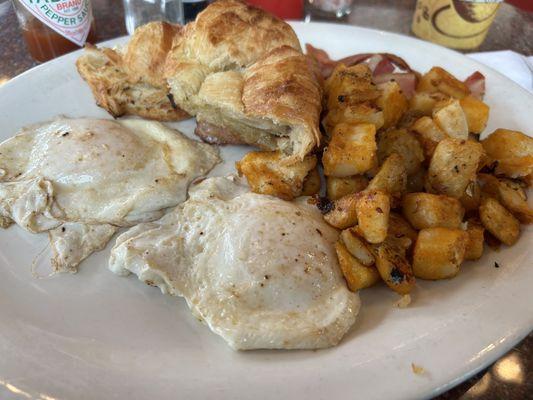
x,y
517,335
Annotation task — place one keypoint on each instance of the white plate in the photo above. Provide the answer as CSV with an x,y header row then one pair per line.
x,y
95,335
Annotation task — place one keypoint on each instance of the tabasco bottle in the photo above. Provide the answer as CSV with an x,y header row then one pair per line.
x,y
55,27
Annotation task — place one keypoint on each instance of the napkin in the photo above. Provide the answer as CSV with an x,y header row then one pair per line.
x,y
511,64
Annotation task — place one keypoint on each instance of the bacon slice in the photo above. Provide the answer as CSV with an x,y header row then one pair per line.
x,y
398,61
355,59
383,67
373,61
386,67
476,84
325,63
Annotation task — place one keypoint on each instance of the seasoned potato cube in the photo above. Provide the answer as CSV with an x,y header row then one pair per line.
x,y
440,80
353,114
400,229
392,102
429,134
339,187
373,208
439,252
489,184
498,221
514,200
474,245
404,143
476,112
408,119
357,246
393,266
511,196
451,119
391,177
517,185
425,210
512,150
351,151
471,198
453,166
416,182
422,103
343,213
357,275
267,174
350,85
311,183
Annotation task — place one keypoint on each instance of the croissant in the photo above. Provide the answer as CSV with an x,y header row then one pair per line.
x,y
131,82
239,70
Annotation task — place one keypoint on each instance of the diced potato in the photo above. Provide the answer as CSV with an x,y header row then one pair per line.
x,y
440,80
498,221
490,185
351,151
373,208
343,213
429,134
476,112
512,150
408,119
357,246
400,229
391,177
393,103
512,197
474,245
451,119
311,183
416,182
439,252
353,114
453,166
471,198
425,210
404,143
267,174
357,275
393,266
350,85
339,187
422,103
517,185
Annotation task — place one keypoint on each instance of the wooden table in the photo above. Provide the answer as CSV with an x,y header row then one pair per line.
x,y
509,378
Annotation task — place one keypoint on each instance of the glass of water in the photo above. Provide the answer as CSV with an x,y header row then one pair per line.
x,y
140,12
330,8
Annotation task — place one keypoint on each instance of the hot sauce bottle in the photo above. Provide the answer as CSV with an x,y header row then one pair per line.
x,y
55,27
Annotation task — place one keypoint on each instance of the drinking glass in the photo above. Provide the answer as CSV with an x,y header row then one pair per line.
x,y
330,8
140,12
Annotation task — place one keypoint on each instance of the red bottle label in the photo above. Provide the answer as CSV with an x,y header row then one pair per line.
x,y
70,18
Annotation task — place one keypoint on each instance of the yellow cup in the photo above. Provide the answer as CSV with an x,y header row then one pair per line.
x,y
460,24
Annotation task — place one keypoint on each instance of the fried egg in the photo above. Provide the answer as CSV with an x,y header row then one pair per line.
x,y
260,271
80,179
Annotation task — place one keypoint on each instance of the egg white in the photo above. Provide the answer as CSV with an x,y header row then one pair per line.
x,y
83,178
260,271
